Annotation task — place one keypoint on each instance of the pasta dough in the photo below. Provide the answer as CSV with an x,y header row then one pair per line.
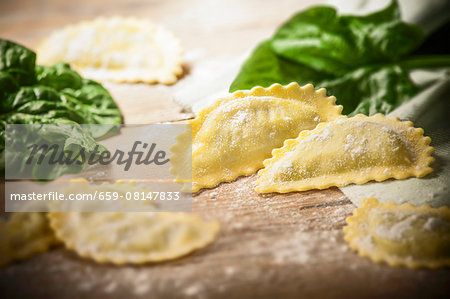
x,y
116,49
400,235
133,237
24,235
345,151
234,136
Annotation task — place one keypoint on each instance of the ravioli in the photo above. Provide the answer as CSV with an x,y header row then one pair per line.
x,y
347,150
116,49
133,237
233,137
24,235
400,235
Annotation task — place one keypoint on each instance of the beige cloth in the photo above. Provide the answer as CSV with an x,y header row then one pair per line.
x,y
429,110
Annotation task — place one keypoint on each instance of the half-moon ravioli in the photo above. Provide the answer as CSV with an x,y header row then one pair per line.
x,y
116,49
136,238
400,235
24,235
347,150
234,136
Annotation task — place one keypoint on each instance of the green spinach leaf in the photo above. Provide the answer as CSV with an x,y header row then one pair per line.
x,y
363,60
18,61
264,68
56,96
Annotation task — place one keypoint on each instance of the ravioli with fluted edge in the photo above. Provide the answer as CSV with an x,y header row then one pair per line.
x,y
116,49
24,235
133,238
400,235
234,136
347,150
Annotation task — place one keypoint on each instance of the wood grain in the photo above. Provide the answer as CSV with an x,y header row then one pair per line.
x,y
274,245
287,246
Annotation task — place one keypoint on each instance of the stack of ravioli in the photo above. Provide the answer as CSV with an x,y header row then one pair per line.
x,y
298,140
301,141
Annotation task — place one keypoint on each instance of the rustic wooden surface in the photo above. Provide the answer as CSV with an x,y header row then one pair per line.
x,y
275,245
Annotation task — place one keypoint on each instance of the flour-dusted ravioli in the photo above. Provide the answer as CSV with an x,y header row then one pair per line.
x,y
24,235
347,150
133,237
234,136
129,237
400,235
116,49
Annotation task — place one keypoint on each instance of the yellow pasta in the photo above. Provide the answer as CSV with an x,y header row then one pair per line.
x,y
400,235
116,49
24,235
133,237
233,137
345,151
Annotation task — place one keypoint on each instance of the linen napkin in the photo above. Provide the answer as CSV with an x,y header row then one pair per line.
x,y
429,110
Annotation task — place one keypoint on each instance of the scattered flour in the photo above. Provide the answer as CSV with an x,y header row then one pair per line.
x,y
193,290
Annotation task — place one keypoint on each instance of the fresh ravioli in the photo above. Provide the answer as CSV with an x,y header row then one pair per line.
x,y
133,238
234,136
347,150
400,235
116,49
24,235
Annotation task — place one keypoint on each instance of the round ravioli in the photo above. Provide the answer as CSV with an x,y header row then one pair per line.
x,y
400,235
133,237
234,136
116,49
24,235
345,151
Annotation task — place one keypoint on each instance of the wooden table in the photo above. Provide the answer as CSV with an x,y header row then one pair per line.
x,y
288,246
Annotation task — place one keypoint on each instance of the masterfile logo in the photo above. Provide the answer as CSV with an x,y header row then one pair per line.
x,y
131,170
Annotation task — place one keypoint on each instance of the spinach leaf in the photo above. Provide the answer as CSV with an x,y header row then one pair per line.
x,y
18,61
68,136
264,68
58,76
7,85
316,38
336,44
56,96
370,90
363,60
